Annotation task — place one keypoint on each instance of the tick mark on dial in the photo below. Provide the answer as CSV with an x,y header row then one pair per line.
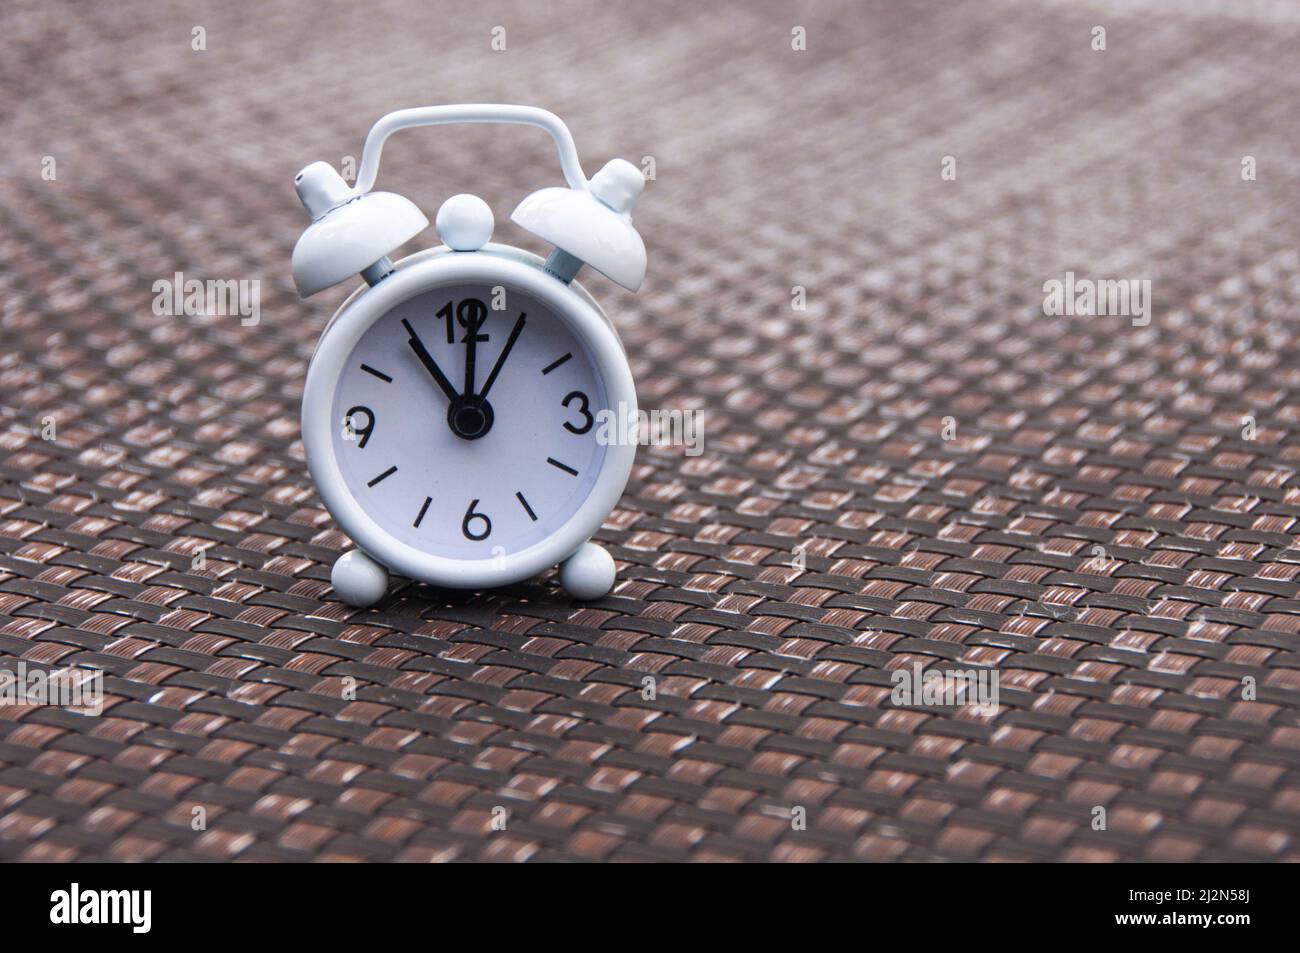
x,y
565,467
423,509
556,363
380,374
528,509
383,476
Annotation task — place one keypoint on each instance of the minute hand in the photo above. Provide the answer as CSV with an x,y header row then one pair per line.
x,y
429,363
505,352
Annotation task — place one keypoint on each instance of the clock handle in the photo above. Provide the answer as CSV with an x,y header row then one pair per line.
x,y
470,113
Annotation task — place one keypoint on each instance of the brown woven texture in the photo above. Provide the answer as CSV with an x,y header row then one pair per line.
x,y
1123,669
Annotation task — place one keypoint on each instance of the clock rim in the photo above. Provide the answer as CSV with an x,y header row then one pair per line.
x,y
356,316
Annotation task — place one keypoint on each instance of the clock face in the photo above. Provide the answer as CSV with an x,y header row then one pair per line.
x,y
465,430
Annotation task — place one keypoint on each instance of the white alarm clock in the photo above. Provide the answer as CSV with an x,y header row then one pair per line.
x,y
450,415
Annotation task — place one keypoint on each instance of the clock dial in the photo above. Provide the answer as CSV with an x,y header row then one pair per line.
x,y
469,431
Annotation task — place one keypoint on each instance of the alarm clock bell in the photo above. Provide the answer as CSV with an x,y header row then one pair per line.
x,y
349,233
592,226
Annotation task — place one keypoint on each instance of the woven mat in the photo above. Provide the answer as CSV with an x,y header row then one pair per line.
x,y
1100,512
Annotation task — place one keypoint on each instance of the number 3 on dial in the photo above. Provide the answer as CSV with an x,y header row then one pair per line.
x,y
583,409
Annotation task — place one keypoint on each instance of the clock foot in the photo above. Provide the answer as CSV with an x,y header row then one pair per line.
x,y
358,580
588,573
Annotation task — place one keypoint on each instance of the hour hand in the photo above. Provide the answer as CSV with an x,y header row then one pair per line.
x,y
429,363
